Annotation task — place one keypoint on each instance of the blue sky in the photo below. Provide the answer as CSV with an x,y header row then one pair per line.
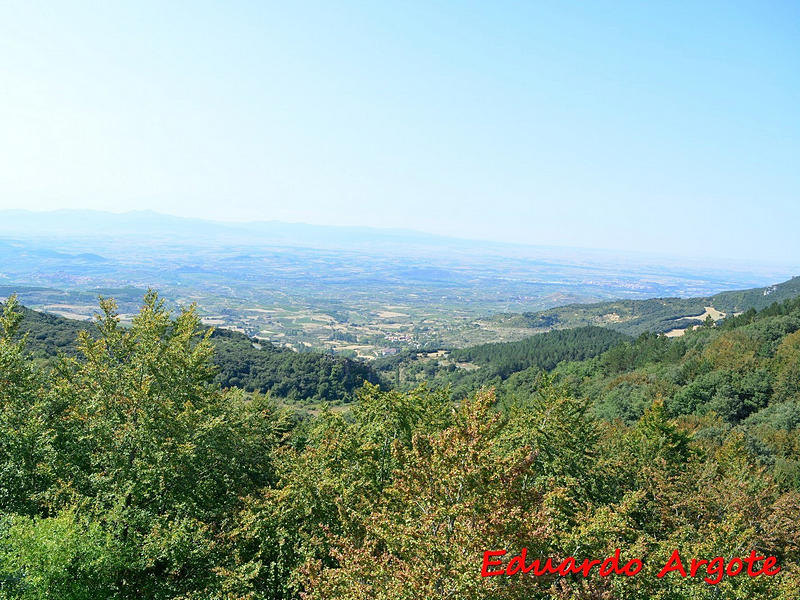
x,y
664,127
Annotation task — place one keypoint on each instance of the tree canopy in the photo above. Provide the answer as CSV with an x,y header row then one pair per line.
x,y
129,472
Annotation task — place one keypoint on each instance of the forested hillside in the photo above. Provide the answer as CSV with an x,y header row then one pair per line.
x,y
758,298
742,376
466,370
294,376
654,315
310,377
49,335
127,474
544,351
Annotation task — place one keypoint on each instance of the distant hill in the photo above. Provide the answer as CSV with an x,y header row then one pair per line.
x,y
469,369
295,376
307,377
758,298
657,315
745,370
543,351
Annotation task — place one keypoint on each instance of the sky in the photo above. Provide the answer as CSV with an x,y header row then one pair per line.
x,y
667,127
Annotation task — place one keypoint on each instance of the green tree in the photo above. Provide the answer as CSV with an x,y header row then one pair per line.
x,y
148,455
25,449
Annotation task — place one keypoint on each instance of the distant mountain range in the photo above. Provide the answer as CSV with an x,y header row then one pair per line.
x,y
150,225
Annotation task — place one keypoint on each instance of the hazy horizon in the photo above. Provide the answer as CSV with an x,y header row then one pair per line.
x,y
787,268
662,128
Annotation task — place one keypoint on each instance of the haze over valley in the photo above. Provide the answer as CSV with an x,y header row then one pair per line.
x,y
354,291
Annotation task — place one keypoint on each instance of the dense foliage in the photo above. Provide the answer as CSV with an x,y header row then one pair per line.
x,y
544,351
49,335
307,376
127,473
735,370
